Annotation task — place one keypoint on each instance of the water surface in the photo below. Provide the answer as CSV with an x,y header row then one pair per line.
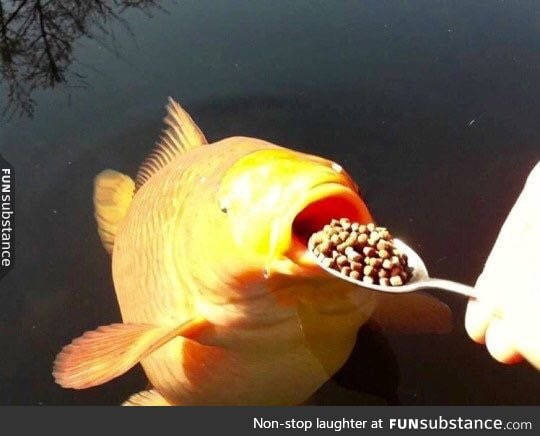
x,y
432,106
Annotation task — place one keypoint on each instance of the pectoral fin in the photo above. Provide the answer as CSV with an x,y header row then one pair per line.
x,y
109,351
412,313
146,398
113,192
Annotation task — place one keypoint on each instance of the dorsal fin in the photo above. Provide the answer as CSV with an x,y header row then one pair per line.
x,y
181,135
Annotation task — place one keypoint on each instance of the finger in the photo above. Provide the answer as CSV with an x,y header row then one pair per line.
x,y
524,328
533,181
500,343
477,319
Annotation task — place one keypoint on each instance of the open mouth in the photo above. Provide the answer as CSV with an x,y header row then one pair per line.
x,y
323,203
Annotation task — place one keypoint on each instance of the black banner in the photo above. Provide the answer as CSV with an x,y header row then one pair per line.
x,y
272,420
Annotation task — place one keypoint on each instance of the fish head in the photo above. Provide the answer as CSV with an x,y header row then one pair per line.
x,y
276,199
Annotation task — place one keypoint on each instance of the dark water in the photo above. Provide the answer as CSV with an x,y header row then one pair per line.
x,y
432,106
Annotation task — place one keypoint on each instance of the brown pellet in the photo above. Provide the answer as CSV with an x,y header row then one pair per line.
x,y
345,270
396,271
335,231
404,276
341,260
350,240
382,245
368,251
374,236
357,266
364,252
362,239
375,263
355,257
324,247
368,270
396,281
328,262
318,238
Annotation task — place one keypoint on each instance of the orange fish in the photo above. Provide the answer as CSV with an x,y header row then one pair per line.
x,y
219,300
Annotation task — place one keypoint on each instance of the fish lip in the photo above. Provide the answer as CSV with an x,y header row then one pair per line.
x,y
324,201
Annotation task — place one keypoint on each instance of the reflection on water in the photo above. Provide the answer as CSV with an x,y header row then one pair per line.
x,y
37,37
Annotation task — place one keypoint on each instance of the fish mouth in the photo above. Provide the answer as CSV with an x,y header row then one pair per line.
x,y
323,202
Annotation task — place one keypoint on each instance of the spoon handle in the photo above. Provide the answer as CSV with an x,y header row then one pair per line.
x,y
448,285
460,288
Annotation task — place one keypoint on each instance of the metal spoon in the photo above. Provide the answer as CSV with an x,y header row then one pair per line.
x,y
419,280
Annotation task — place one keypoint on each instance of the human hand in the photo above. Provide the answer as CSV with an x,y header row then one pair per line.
x,y
510,285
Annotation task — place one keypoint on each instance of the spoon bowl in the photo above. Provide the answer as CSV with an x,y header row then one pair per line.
x,y
419,279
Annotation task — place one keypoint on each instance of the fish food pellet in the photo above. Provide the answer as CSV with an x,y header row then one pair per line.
x,y
396,281
363,252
